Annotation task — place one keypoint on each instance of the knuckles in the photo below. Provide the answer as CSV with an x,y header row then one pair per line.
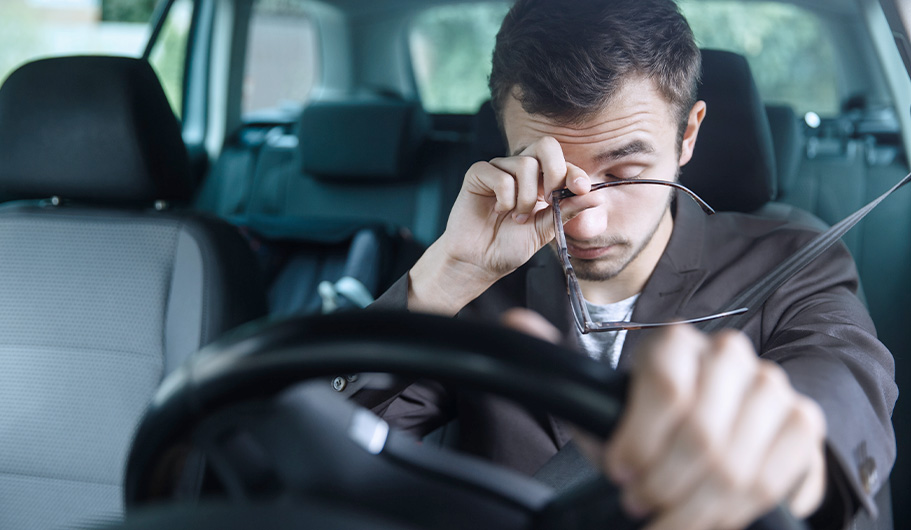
x,y
527,165
704,441
662,367
479,168
770,377
505,190
729,475
810,417
735,346
767,492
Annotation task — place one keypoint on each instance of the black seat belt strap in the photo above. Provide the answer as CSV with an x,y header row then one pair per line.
x,y
756,295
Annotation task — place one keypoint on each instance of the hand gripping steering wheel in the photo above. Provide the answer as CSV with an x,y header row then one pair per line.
x,y
296,451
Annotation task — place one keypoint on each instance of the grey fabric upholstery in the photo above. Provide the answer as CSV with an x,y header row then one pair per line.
x,y
98,302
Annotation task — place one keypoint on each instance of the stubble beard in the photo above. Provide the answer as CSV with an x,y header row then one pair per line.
x,y
607,268
604,269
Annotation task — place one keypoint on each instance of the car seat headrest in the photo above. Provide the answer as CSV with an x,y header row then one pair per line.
x,y
91,129
788,139
364,139
733,165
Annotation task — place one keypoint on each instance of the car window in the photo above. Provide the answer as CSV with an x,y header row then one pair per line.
x,y
168,54
33,29
282,61
790,53
451,48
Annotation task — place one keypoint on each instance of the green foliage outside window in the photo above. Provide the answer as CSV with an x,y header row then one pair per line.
x,y
18,37
791,55
168,56
451,48
127,10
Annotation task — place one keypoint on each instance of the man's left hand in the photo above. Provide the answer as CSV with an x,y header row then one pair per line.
x,y
713,436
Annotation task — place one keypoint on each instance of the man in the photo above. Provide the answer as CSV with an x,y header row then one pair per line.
x,y
718,428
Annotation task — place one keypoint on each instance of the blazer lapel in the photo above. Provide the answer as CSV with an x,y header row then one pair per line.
x,y
675,278
545,293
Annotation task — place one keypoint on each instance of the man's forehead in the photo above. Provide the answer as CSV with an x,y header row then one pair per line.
x,y
636,117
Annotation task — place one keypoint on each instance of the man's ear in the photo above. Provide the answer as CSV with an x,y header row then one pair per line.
x,y
697,114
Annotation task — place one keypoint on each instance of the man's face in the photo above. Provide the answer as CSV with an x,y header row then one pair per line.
x,y
633,137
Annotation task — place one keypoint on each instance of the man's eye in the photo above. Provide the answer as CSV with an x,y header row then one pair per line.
x,y
612,176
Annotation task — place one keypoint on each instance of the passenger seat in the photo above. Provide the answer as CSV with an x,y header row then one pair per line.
x,y
107,283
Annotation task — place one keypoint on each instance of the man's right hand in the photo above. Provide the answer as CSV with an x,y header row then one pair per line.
x,y
500,219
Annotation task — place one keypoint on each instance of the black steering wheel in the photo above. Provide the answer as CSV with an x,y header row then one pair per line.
x,y
273,442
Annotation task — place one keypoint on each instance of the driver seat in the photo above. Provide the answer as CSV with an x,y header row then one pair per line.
x,y
107,287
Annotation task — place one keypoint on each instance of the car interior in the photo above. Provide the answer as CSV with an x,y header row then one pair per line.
x,y
149,208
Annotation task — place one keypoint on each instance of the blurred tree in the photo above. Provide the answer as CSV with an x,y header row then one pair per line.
x,y
451,49
18,36
168,56
790,54
127,10
789,50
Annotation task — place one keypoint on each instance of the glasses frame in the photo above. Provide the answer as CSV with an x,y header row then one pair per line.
x,y
577,301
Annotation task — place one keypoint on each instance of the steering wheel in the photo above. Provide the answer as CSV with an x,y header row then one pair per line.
x,y
270,440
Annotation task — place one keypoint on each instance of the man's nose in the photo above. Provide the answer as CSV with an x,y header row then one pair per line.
x,y
588,224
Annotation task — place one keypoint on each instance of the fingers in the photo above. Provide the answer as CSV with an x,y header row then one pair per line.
x,y
486,180
537,171
662,389
717,502
793,469
531,323
726,374
549,154
809,494
581,185
525,172
713,436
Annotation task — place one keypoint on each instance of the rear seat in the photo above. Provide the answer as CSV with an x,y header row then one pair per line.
x,y
356,189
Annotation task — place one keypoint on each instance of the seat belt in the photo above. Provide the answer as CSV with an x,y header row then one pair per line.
x,y
754,296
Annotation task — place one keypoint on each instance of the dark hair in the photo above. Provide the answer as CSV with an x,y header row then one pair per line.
x,y
565,59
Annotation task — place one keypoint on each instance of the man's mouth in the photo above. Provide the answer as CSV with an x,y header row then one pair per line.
x,y
588,252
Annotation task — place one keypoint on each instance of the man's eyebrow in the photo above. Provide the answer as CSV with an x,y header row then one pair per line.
x,y
635,147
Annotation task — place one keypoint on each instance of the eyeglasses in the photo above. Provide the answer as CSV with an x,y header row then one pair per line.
x,y
574,290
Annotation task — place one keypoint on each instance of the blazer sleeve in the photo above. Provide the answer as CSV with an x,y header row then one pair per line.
x,y
824,338
416,407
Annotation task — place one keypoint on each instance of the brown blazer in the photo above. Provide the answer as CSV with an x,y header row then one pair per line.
x,y
814,326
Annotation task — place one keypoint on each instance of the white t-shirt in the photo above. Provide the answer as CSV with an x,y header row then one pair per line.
x,y
606,345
